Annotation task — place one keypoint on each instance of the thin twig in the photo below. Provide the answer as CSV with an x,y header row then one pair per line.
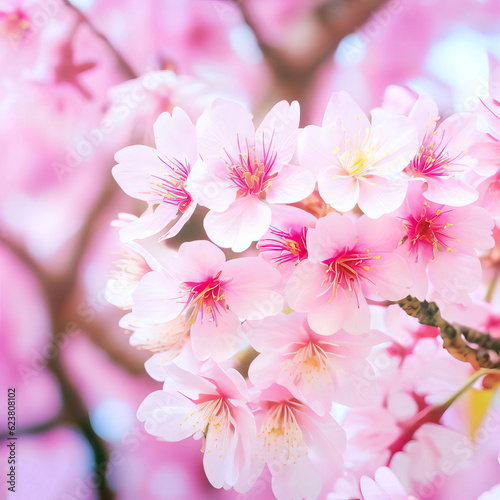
x,y
124,65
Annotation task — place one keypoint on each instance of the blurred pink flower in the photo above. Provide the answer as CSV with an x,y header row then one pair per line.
x,y
384,486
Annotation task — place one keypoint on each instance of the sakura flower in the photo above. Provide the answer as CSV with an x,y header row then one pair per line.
x,y
434,448
290,436
165,340
384,486
244,170
347,261
212,293
284,243
357,162
159,176
137,103
316,369
210,406
441,243
135,263
370,432
443,154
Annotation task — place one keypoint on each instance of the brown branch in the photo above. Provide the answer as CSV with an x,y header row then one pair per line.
x,y
309,42
75,412
123,64
457,339
18,250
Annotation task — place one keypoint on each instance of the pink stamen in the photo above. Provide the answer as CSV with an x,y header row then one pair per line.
x,y
291,246
427,229
206,296
347,270
249,173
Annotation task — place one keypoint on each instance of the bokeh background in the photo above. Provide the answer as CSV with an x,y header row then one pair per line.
x,y
82,79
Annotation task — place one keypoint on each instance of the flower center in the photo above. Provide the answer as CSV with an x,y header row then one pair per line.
x,y
206,296
427,229
290,247
214,416
281,435
171,188
359,166
432,160
14,24
311,365
251,174
347,270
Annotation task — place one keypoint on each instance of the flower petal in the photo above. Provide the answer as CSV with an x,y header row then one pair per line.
x,y
217,340
292,184
246,220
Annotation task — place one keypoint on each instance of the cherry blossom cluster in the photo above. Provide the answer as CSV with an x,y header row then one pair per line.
x,y
278,338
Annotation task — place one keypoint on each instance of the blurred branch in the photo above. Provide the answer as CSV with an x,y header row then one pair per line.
x,y
314,37
124,65
456,339
75,411
125,357
48,425
84,235
58,291
23,255
429,414
308,43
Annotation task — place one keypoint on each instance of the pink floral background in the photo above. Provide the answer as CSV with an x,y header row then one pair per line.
x,y
81,80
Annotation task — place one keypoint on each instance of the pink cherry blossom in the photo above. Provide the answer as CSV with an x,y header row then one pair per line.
x,y
347,261
284,243
434,448
358,162
165,340
211,406
443,154
440,246
243,170
159,176
316,369
214,294
135,263
384,486
290,437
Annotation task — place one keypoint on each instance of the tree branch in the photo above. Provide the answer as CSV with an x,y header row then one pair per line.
x,y
308,43
123,64
456,339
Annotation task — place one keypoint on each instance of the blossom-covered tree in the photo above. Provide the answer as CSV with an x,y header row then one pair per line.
x,y
304,197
